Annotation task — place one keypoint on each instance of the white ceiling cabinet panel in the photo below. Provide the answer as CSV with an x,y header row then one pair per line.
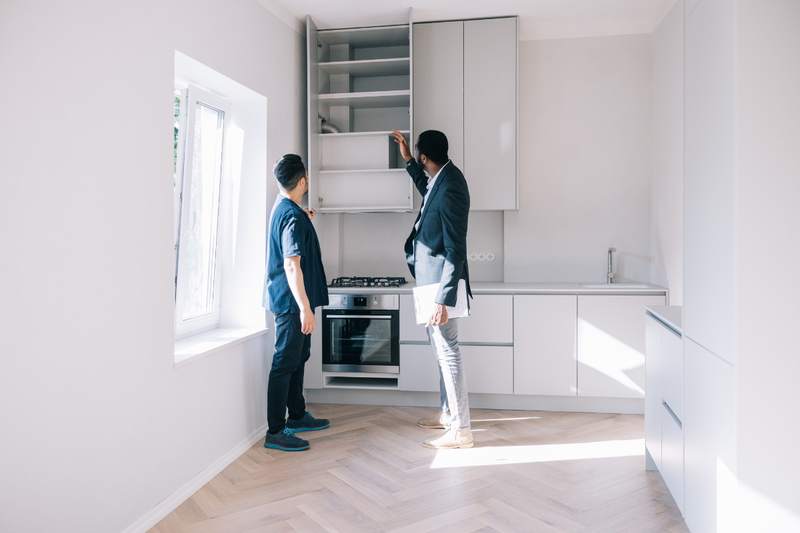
x,y
709,177
439,83
490,112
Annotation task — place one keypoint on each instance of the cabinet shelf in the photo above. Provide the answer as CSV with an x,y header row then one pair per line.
x,y
361,133
368,67
396,35
361,171
368,100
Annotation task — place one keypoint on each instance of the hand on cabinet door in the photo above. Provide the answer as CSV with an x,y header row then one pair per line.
x,y
400,139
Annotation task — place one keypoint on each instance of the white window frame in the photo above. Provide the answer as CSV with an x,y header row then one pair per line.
x,y
193,96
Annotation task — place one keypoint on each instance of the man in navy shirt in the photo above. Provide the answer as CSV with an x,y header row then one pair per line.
x,y
295,286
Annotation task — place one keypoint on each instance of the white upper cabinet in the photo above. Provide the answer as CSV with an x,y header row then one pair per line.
x,y
465,84
359,89
439,83
710,158
544,345
490,112
611,345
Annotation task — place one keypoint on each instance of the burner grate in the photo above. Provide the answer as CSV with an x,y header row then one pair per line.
x,y
367,281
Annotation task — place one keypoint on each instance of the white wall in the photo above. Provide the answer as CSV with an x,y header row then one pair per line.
x,y
98,426
666,195
371,244
585,168
768,262
584,159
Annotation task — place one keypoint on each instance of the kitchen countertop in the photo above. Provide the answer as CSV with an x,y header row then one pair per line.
x,y
670,316
525,288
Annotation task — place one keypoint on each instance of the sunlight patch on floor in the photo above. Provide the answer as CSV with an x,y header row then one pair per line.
x,y
536,453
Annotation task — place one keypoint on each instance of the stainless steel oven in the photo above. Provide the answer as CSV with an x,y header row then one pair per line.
x,y
361,333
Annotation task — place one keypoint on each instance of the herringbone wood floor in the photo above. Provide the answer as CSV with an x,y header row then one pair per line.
x,y
529,472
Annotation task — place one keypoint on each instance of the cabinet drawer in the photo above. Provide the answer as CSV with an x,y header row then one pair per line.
x,y
419,370
489,369
672,455
672,370
410,331
490,321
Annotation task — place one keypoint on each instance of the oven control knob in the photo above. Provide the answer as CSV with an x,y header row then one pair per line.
x,y
360,301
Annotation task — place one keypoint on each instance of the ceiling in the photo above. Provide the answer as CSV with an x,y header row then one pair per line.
x,y
539,19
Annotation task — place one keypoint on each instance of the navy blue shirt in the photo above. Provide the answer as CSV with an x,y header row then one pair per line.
x,y
292,234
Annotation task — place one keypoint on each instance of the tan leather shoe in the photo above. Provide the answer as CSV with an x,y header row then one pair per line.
x,y
454,438
432,423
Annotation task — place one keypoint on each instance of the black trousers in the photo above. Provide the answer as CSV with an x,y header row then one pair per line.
x,y
285,387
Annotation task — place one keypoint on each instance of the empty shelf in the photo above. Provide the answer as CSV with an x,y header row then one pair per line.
x,y
368,99
362,171
368,67
366,37
360,133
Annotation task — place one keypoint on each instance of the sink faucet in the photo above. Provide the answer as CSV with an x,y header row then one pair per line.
x,y
610,275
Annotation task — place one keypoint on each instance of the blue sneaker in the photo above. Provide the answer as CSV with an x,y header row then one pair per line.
x,y
307,423
285,441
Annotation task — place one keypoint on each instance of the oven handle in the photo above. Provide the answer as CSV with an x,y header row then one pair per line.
x,y
383,317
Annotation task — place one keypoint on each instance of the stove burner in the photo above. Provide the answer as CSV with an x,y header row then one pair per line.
x,y
366,281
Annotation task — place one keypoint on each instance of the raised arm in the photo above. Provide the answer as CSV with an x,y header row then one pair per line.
x,y
413,168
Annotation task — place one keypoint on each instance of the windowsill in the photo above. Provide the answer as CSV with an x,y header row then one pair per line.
x,y
208,342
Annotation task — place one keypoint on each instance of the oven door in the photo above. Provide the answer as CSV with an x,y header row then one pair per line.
x,y
361,341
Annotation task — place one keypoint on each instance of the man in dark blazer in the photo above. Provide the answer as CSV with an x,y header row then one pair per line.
x,y
436,252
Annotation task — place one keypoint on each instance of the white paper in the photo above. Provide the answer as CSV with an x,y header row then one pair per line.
x,y
425,301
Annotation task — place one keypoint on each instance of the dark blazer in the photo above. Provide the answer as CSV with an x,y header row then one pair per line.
x,y
437,252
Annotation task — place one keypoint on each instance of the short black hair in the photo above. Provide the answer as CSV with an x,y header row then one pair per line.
x,y
288,171
433,144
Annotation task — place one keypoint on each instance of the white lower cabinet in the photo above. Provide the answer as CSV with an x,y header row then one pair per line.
x,y
419,370
709,439
611,345
312,377
410,331
671,466
544,345
490,321
489,369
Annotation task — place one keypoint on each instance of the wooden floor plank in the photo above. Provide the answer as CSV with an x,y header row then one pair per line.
x,y
369,473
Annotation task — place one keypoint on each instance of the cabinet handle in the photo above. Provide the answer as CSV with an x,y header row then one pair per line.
x,y
672,414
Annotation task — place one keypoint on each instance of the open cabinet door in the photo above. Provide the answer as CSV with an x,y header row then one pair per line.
x,y
411,135
312,89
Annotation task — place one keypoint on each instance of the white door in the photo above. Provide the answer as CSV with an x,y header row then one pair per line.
x,y
439,83
490,112
611,345
544,345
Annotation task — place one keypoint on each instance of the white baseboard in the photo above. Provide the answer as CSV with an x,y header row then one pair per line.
x,y
155,515
479,401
